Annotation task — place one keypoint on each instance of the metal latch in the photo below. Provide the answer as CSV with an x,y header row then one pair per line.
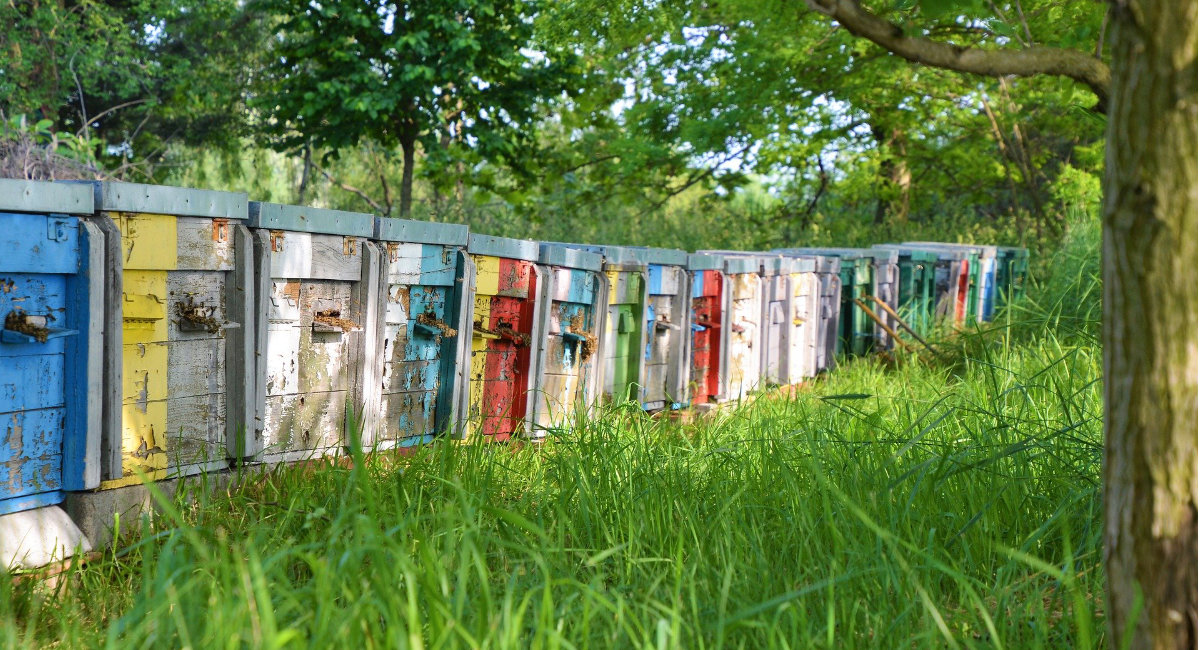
x,y
348,245
220,230
276,241
56,229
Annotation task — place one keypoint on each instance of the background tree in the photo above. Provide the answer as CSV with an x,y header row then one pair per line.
x,y
447,75
1150,299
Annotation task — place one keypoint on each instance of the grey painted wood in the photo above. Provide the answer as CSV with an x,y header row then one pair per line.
x,y
298,218
204,244
241,386
572,258
460,391
705,262
44,196
366,302
682,360
537,334
420,232
177,201
304,256
541,410
516,249
113,327
94,374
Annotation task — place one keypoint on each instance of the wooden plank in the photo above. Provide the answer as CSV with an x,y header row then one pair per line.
x,y
26,245
31,461
240,372
148,241
24,196
204,244
307,422
113,333
197,429
439,264
407,414
366,305
84,423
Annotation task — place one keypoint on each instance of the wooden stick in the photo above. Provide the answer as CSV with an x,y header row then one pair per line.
x,y
900,321
879,321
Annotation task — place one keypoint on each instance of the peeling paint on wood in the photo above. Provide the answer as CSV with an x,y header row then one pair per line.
x,y
180,333
500,369
745,373
706,321
664,382
50,358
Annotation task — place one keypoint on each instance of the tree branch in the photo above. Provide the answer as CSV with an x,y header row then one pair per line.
x,y
1024,62
351,189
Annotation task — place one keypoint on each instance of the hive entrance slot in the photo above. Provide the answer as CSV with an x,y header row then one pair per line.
x,y
21,327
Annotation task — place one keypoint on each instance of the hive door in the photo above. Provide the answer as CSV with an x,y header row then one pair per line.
x,y
49,363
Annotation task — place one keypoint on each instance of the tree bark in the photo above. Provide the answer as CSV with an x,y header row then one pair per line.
x,y
1024,62
1149,330
408,145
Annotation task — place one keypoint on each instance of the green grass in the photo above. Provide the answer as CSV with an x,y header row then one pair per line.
x,y
912,505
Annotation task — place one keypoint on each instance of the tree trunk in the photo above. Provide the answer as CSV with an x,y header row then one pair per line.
x,y
1149,331
408,145
895,179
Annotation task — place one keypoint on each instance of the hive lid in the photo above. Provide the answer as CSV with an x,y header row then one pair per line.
x,y
806,264
298,218
516,249
705,262
113,196
45,196
572,258
410,231
741,264
664,256
983,250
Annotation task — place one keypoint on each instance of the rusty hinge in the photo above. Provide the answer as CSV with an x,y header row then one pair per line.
x,y
348,245
393,249
220,230
276,241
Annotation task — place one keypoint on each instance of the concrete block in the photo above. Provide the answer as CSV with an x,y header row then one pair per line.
x,y
34,538
97,513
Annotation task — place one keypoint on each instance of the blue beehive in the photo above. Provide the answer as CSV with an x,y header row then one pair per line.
x,y
52,345
425,332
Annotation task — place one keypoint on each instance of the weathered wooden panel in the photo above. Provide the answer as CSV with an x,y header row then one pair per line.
x,y
302,255
404,263
408,415
805,323
30,456
148,241
407,376
305,424
746,334
204,244
502,336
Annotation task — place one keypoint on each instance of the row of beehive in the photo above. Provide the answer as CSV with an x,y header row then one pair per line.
x,y
154,331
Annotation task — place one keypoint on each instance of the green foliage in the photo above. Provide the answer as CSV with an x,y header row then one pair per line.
x,y
458,77
882,507
139,76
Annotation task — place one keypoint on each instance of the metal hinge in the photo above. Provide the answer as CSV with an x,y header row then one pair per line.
x,y
348,245
276,241
220,230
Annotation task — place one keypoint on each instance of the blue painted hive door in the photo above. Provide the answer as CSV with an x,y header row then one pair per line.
x,y
421,317
50,358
